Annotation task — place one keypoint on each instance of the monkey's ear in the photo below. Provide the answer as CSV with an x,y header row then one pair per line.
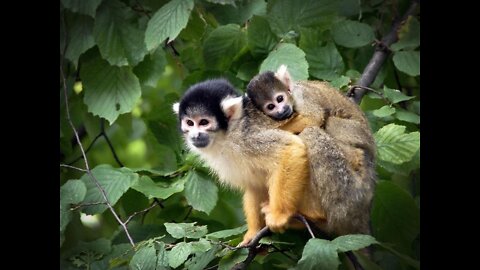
x,y
284,76
176,107
232,107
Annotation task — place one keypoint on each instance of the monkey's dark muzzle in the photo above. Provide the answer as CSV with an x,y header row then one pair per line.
x,y
201,140
285,114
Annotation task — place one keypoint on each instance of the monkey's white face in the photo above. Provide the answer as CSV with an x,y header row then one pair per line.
x,y
279,107
199,130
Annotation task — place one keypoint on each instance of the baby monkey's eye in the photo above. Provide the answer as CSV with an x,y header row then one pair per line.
x,y
190,123
270,106
203,122
279,98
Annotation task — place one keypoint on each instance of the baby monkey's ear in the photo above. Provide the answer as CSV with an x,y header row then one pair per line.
x,y
232,107
176,107
284,76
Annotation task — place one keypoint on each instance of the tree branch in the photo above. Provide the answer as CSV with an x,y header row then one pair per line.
x,y
381,52
139,212
87,167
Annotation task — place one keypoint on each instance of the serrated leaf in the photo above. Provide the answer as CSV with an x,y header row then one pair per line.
x,y
285,15
353,242
396,146
179,254
232,258
202,245
189,230
151,68
261,39
404,168
324,60
201,260
118,40
340,82
109,90
80,37
72,192
86,7
407,62
222,2
160,190
409,35
407,116
290,55
201,193
395,95
114,181
240,13
384,111
227,233
352,34
395,216
222,45
162,256
144,259
319,254
167,22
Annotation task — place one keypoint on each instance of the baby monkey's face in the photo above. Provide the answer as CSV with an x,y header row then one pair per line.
x,y
279,106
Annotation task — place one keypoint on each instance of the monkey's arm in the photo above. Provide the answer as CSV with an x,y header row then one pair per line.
x,y
252,199
301,121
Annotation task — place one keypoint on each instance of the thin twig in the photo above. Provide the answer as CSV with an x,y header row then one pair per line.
x,y
283,252
85,205
188,213
89,172
86,151
139,212
72,167
102,127
305,222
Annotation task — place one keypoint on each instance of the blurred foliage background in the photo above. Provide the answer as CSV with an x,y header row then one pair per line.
x,y
124,62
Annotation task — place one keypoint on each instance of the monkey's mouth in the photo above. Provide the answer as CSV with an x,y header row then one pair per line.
x,y
285,114
201,141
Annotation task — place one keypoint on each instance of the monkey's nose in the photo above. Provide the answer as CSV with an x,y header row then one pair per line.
x,y
287,112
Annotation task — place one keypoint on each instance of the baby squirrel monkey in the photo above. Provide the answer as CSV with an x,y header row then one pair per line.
x,y
341,147
238,143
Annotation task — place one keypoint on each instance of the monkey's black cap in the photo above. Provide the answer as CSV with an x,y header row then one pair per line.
x,y
205,97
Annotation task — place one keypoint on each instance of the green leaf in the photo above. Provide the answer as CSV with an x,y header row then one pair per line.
x,y
319,254
407,62
247,71
119,41
201,260
352,34
86,7
403,257
407,116
404,168
341,82
289,55
222,45
384,111
240,13
227,233
72,192
179,254
114,181
162,256
151,68
396,146
325,62
409,35
232,258
201,246
353,242
80,37
145,258
160,190
109,90
201,193
189,230
395,95
167,22
222,2
395,216
261,39
285,15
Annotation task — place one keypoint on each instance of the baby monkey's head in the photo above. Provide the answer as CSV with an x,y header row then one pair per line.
x,y
271,93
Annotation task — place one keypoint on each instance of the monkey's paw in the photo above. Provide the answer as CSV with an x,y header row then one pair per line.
x,y
277,222
247,238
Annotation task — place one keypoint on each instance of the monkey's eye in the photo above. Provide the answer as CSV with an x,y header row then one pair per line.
x,y
270,106
203,122
279,98
190,123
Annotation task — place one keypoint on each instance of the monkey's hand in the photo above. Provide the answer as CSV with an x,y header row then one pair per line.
x,y
247,238
275,220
